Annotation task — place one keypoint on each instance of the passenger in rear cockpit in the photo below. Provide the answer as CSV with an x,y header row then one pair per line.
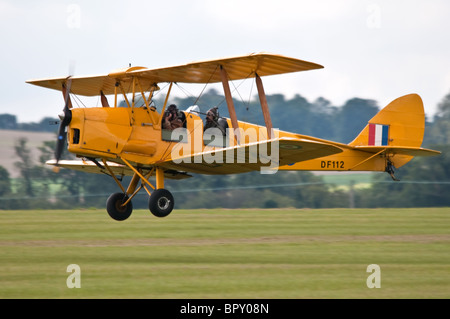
x,y
214,121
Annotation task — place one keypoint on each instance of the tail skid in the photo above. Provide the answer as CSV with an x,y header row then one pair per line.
x,y
390,171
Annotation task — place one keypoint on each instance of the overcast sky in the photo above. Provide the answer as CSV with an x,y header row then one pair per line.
x,y
372,49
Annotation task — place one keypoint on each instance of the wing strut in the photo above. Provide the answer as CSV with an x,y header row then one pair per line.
x,y
264,107
230,104
66,96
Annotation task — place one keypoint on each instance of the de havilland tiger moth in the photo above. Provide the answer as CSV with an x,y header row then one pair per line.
x,y
153,143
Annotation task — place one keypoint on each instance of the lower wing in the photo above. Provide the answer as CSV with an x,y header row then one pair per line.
x,y
262,155
116,169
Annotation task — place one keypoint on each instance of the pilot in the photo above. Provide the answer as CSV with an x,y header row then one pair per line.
x,y
212,120
172,118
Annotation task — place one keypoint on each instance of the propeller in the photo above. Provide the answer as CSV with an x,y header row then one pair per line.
x,y
65,117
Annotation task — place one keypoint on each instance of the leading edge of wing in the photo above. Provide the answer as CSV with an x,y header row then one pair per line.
x,y
91,167
83,85
117,169
262,155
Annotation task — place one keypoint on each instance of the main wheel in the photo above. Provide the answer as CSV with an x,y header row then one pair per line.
x,y
161,203
115,208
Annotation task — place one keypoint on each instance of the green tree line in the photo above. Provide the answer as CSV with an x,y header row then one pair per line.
x,y
424,181
9,122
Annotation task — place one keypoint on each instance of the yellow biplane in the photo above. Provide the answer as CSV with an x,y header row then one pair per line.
x,y
138,141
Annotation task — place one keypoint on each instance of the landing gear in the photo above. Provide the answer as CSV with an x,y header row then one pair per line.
x,y
116,208
161,203
119,208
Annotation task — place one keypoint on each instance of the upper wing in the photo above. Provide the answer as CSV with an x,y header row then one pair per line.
x,y
267,154
85,85
92,85
240,67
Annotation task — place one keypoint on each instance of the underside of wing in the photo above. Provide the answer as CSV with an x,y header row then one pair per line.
x,y
240,67
117,169
83,85
265,155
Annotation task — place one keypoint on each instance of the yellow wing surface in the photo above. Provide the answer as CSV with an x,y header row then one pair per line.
x,y
251,157
239,67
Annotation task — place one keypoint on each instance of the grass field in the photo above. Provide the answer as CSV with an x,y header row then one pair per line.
x,y
284,253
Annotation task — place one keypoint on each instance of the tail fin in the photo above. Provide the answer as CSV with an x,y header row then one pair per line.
x,y
396,133
400,123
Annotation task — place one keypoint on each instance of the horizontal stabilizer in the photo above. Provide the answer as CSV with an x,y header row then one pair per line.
x,y
401,150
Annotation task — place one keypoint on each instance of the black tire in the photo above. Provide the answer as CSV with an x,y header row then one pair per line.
x,y
161,203
115,209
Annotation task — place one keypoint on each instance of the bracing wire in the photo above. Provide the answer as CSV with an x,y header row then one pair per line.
x,y
206,84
